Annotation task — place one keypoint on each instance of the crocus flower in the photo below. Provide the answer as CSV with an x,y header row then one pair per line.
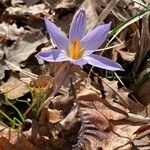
x,y
79,47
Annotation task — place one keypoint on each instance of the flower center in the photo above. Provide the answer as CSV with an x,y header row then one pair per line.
x,y
76,52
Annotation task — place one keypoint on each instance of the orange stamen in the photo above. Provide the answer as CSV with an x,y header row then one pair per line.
x,y
75,51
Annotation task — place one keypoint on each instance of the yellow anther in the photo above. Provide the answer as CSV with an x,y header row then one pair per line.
x,y
76,51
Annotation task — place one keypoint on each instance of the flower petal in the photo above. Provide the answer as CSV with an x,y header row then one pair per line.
x,y
94,39
103,62
80,62
77,29
54,55
58,37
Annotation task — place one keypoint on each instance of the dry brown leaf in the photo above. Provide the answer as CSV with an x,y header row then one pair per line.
x,y
35,9
25,46
135,43
54,115
4,1
21,50
142,144
16,2
112,91
127,56
4,144
14,88
143,93
30,3
63,21
12,139
11,32
1,54
109,7
69,120
94,129
129,127
111,110
92,16
50,3
142,85
23,144
97,114
65,4
116,132
2,70
141,130
117,139
50,116
141,137
144,43
136,132
10,134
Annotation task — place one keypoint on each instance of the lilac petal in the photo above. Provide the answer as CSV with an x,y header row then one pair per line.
x,y
77,29
80,62
58,37
94,39
54,55
103,62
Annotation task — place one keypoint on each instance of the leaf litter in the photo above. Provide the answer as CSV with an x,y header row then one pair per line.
x,y
94,109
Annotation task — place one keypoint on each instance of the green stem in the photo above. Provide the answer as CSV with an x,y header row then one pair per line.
x,y
17,110
8,118
4,124
24,101
17,120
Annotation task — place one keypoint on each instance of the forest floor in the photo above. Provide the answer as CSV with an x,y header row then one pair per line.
x,y
44,107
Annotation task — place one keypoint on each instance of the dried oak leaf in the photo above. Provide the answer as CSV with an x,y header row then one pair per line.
x,y
136,132
142,129
11,139
112,110
104,122
141,137
20,50
96,116
122,95
25,46
117,139
142,144
14,88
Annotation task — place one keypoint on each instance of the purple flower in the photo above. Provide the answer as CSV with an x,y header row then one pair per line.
x,y
79,47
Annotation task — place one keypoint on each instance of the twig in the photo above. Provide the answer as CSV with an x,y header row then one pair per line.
x,y
138,118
